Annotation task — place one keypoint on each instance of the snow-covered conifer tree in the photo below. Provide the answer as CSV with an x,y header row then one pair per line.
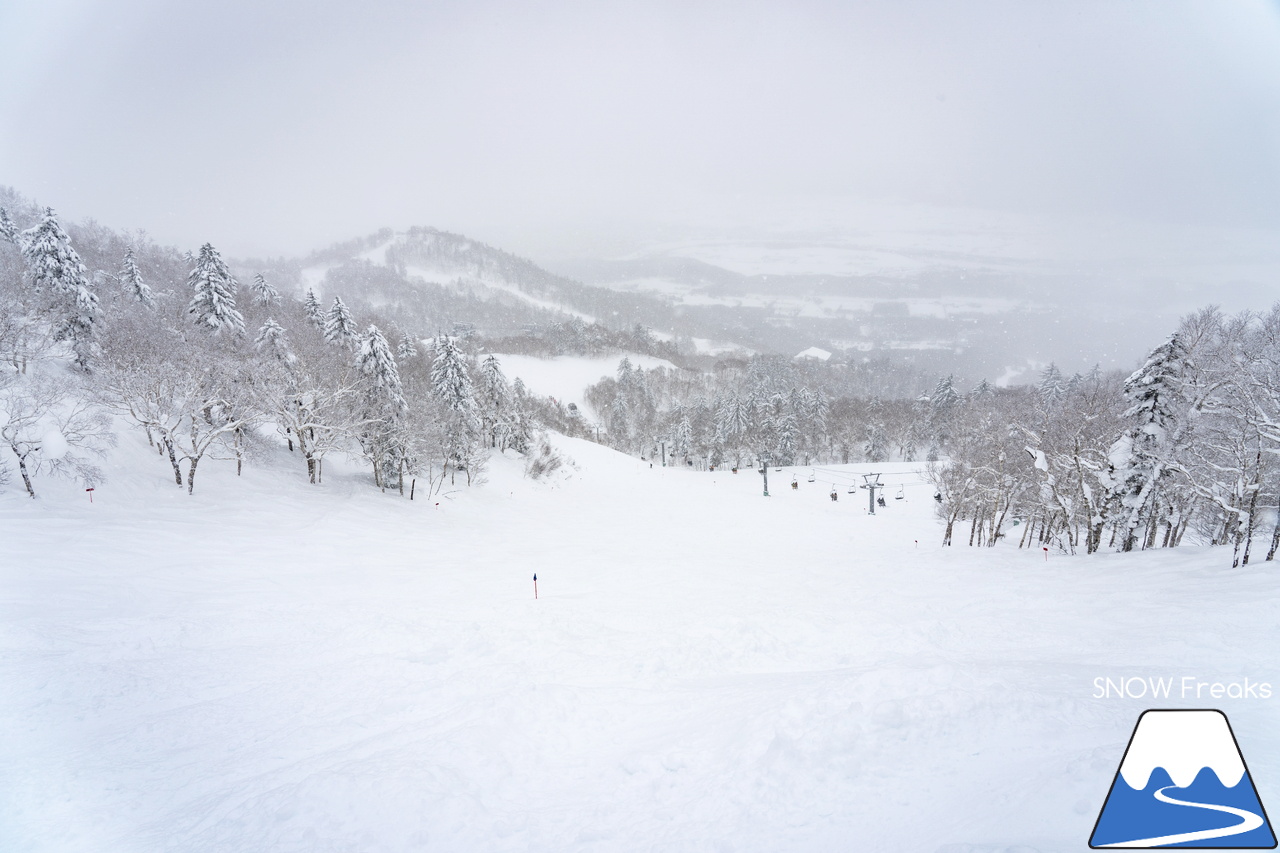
x,y
406,349
131,280
876,448
56,269
452,389
8,231
311,306
1141,457
683,437
814,409
213,294
450,379
494,398
376,363
271,342
619,422
383,409
1051,388
520,434
944,394
339,327
264,292
733,421
787,437
942,405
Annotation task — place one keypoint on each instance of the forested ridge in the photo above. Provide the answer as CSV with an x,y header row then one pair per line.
x,y
102,330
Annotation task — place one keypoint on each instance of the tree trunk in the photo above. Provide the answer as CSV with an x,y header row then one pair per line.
x,y
1254,489
26,478
239,453
191,475
173,460
1149,541
1248,541
1275,538
1097,536
1237,540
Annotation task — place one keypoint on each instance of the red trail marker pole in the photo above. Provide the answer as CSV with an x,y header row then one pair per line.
x,y
1046,554
535,586
90,491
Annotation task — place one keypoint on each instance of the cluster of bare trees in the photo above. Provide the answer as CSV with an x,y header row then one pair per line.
x,y
1188,443
765,407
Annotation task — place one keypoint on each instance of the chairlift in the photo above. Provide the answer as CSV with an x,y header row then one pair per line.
x,y
812,476
852,489
902,492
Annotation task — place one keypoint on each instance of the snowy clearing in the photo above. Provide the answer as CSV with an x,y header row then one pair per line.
x,y
566,377
272,666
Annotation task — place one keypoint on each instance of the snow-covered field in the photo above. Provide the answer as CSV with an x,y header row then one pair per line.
x,y
567,377
271,666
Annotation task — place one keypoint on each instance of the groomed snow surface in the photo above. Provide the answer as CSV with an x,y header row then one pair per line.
x,y
272,666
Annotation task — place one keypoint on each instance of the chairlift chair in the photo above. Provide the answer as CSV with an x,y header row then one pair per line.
x,y
902,493
852,489
812,476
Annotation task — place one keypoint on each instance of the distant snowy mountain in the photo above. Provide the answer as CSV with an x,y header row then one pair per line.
x,y
431,279
978,315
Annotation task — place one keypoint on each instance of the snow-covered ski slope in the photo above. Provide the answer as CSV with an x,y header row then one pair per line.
x,y
271,666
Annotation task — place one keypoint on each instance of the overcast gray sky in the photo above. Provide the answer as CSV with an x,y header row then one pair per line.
x,y
564,127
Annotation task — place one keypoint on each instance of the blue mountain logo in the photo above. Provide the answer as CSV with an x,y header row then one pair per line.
x,y
1183,783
